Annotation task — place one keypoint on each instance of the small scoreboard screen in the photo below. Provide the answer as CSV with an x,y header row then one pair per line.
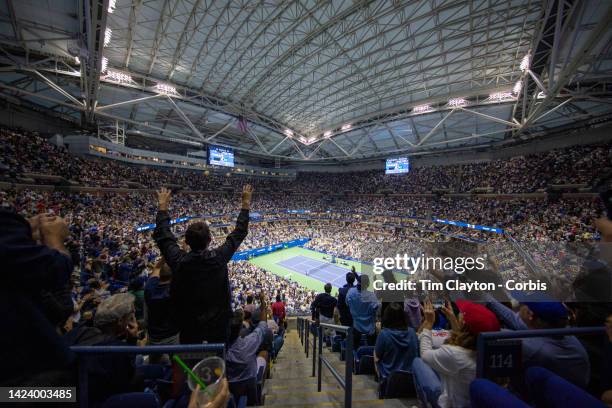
x,y
220,156
398,165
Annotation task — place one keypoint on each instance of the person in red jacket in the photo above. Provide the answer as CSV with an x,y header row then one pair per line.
x,y
278,312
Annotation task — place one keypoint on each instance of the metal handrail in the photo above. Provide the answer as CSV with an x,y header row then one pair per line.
x,y
347,382
300,328
307,336
484,338
84,352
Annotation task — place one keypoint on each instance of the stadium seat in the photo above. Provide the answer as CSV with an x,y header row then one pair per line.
x,y
364,360
260,382
548,390
485,394
336,343
399,384
132,399
152,371
245,388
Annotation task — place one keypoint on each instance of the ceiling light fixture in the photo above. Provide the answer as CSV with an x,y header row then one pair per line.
x,y
421,108
118,76
104,64
525,62
346,127
457,102
108,33
111,6
500,96
165,89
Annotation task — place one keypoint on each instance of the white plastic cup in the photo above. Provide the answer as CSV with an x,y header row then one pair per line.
x,y
210,371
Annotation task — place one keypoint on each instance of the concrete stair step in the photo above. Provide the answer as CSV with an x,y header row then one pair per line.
x,y
282,387
292,385
301,396
280,380
388,403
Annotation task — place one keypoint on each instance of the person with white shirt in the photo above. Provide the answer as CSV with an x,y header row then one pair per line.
x,y
445,373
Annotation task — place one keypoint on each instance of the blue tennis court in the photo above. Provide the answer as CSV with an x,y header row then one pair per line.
x,y
320,270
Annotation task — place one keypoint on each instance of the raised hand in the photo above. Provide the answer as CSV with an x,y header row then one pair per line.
x,y
35,227
447,310
247,192
604,226
429,315
53,230
163,198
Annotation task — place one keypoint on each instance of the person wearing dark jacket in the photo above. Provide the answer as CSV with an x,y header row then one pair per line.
x,y
114,325
36,269
323,305
200,290
343,310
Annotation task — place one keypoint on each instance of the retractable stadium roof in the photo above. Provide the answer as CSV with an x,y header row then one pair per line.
x,y
313,81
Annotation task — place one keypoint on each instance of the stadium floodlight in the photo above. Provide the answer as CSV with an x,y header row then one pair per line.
x,y
289,132
517,87
525,62
118,76
111,6
77,60
346,127
327,134
541,95
165,89
457,102
108,33
500,96
104,64
421,108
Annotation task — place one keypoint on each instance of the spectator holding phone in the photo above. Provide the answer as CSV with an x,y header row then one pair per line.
x,y
447,372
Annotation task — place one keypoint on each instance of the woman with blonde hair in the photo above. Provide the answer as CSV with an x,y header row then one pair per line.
x,y
442,376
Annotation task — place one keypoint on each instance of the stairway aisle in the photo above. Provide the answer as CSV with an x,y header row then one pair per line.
x,y
292,384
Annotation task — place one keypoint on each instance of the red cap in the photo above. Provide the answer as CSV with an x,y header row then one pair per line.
x,y
477,318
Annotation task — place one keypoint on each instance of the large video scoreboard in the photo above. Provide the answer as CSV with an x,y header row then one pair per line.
x,y
220,156
397,165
